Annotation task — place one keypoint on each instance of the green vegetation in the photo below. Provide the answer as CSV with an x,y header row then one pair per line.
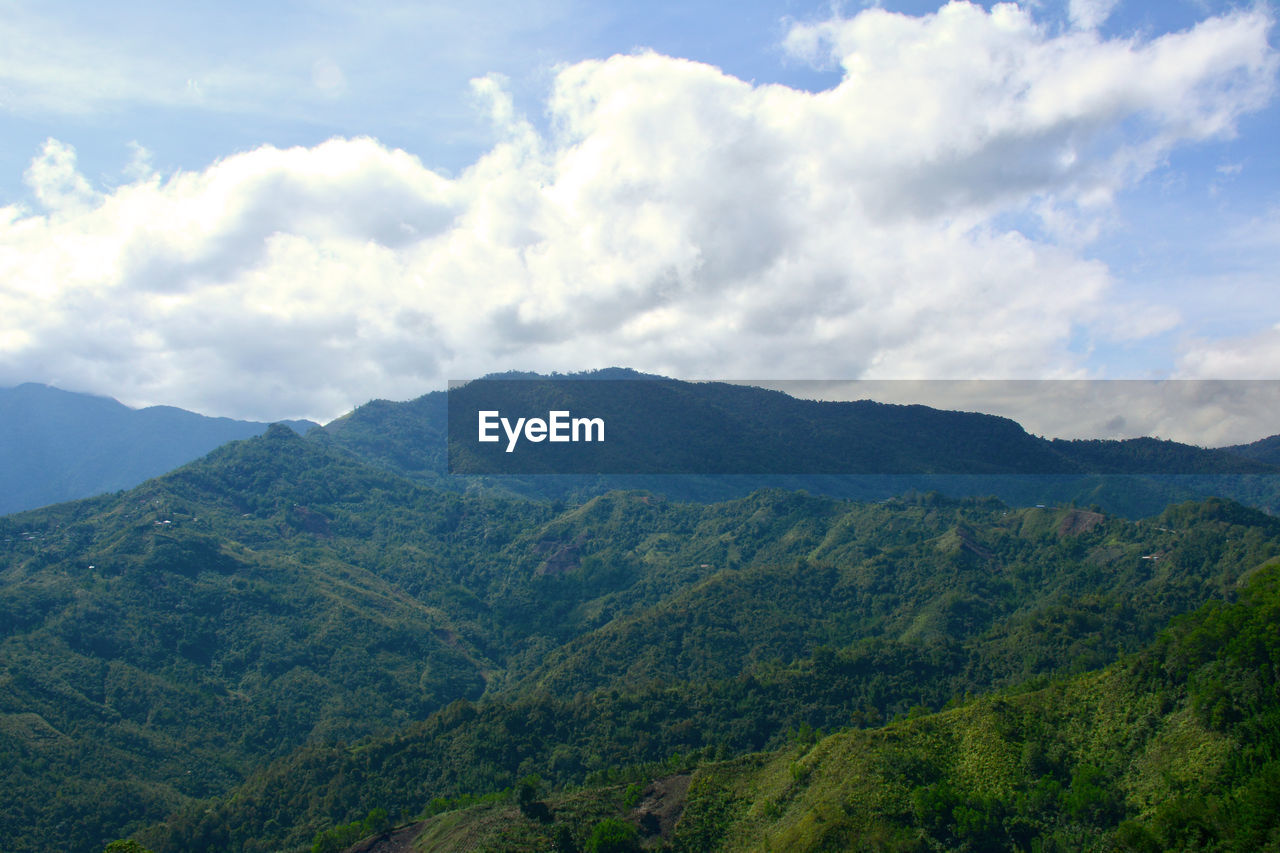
x,y
341,837
282,647
750,657
156,646
1177,748
1174,748
612,835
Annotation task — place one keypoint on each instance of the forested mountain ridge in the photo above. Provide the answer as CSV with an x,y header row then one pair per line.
x,y
715,441
58,445
1264,450
158,644
661,425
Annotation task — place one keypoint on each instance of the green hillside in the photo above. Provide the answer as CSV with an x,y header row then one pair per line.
x,y
282,637
158,645
953,599
1177,748
1174,748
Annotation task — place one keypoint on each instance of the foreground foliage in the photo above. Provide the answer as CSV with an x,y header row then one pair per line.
x,y
1176,748
752,657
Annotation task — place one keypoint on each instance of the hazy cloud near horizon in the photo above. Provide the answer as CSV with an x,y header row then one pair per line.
x,y
1207,412
927,217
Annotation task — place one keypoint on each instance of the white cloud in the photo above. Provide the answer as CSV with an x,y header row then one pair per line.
x,y
54,181
139,167
1090,14
674,218
1244,357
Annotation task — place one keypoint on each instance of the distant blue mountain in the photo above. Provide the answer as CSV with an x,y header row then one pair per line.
x,y
59,445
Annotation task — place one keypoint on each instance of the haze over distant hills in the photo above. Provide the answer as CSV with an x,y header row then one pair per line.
x,y
61,445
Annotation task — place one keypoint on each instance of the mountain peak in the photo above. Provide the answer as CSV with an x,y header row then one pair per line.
x,y
280,431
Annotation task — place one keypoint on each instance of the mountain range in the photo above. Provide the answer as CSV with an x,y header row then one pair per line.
x,y
712,441
294,642
719,441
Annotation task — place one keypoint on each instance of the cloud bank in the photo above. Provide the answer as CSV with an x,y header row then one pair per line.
x,y
923,218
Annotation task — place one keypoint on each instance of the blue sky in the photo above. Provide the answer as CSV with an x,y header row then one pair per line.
x,y
284,211
195,82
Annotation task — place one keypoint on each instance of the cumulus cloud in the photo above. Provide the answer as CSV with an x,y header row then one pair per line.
x,y
54,181
1233,358
673,218
1089,14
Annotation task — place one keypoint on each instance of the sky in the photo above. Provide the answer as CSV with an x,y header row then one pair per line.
x,y
284,210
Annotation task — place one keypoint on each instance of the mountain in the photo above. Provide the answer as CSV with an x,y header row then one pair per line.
x,y
290,636
715,441
719,441
659,426
1172,749
58,445
632,629
156,645
1264,450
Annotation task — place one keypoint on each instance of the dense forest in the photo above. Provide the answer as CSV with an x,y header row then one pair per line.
x,y
1174,748
280,600
296,642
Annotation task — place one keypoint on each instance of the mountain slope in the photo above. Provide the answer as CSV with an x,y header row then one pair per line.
x,y
733,661
157,645
280,599
58,445
1173,749
968,577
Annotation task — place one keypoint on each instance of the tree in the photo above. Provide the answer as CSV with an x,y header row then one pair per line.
x,y
527,792
612,835
125,845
